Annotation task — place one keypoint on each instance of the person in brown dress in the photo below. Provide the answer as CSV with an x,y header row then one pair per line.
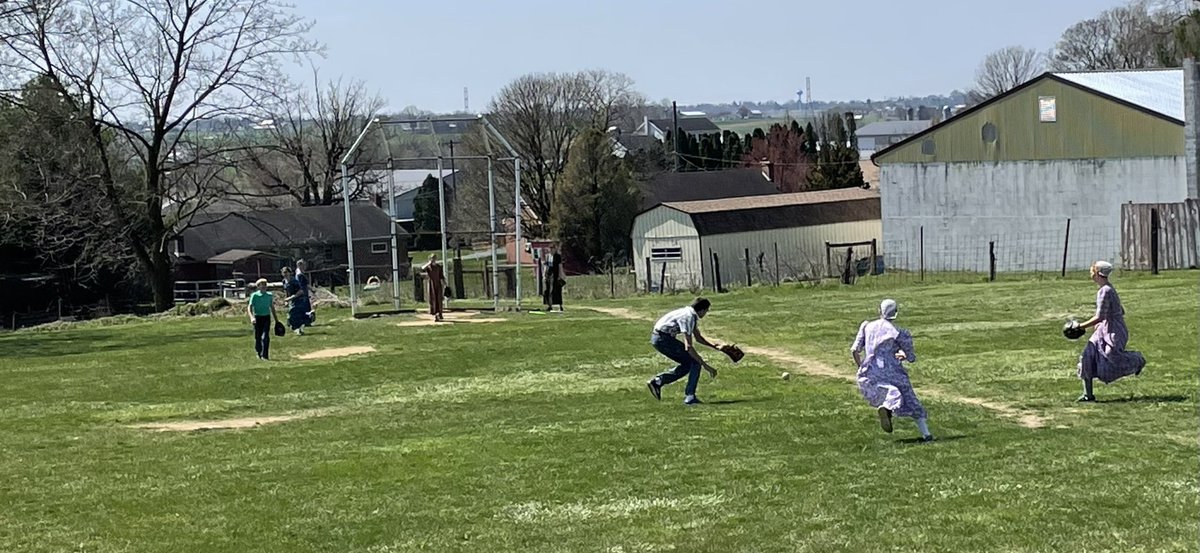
x,y
435,279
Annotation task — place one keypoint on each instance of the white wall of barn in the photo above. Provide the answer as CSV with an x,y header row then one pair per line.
x,y
801,250
663,227
1023,206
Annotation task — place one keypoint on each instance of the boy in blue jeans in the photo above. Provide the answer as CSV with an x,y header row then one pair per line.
x,y
681,322
261,309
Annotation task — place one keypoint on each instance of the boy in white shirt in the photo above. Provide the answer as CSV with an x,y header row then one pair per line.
x,y
683,322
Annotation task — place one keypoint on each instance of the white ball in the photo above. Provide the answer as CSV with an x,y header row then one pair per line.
x,y
786,376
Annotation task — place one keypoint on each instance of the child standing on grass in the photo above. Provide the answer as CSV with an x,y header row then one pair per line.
x,y
882,379
261,309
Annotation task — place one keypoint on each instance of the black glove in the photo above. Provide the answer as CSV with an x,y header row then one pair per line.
x,y
1072,330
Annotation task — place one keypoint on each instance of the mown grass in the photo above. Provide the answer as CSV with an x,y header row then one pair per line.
x,y
537,434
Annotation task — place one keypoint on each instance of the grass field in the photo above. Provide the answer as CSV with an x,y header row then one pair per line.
x,y
536,434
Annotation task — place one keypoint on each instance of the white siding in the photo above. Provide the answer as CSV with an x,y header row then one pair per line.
x,y
666,227
801,250
1023,206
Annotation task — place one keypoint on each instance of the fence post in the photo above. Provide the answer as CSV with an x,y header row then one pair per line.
x,y
649,278
459,293
828,261
1066,243
778,278
486,291
749,283
612,280
662,280
1154,241
717,272
874,257
922,253
418,287
991,261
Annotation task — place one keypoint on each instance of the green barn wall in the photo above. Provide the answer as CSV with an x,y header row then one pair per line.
x,y
1088,126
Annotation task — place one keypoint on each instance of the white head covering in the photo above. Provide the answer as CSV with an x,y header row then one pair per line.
x,y
888,309
1103,268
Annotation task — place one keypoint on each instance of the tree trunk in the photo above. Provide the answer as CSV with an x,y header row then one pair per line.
x,y
162,281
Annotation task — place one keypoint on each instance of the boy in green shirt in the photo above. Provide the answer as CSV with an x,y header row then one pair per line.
x,y
261,309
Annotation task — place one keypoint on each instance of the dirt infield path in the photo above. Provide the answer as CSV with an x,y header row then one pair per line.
x,y
812,367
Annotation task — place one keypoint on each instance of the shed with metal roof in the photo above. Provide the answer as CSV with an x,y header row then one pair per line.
x,y
752,238
1013,169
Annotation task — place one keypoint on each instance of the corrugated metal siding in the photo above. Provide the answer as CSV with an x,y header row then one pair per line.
x,y
1087,127
801,250
666,227
1178,229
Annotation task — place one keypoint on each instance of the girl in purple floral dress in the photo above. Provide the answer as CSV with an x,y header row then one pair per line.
x,y
882,379
1104,356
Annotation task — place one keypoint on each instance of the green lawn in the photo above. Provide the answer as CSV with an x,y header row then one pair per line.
x,y
537,434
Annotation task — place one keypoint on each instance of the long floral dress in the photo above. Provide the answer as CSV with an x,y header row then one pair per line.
x,y
1104,356
882,379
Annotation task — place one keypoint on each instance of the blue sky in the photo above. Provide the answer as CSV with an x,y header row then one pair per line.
x,y
422,52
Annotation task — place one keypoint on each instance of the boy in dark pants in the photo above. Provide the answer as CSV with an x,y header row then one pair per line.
x,y
684,321
261,309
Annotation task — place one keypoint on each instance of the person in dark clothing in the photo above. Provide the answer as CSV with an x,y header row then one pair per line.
x,y
553,283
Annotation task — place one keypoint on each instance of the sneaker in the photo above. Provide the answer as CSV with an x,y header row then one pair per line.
x,y
926,439
885,419
299,332
655,388
692,400
1085,399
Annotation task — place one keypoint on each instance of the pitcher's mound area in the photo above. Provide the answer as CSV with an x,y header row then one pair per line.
x,y
336,352
227,424
450,318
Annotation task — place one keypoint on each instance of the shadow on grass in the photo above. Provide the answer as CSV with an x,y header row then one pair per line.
x,y
936,440
1148,399
94,340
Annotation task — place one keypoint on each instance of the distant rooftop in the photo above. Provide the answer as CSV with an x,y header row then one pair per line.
x,y
894,128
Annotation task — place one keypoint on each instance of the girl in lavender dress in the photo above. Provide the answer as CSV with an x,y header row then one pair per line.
x,y
1104,356
882,379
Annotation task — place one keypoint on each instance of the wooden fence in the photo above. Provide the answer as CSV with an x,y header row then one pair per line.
x,y
1160,236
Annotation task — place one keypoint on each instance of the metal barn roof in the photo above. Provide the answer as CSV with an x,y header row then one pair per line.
x,y
1157,90
776,211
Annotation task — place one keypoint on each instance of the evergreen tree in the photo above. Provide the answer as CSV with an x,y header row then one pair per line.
x,y
595,206
427,218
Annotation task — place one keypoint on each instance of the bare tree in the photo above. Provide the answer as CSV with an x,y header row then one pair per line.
x,y
1125,37
311,132
1005,69
543,114
145,75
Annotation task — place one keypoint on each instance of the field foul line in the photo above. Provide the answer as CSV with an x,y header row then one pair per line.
x,y
810,367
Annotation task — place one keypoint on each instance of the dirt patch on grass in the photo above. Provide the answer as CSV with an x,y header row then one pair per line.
x,y
336,352
449,318
620,312
225,424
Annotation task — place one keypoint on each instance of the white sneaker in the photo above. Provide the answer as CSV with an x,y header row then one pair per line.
x,y
299,332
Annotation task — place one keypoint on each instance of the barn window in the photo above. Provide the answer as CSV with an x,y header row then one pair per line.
x,y
927,147
379,247
989,133
666,254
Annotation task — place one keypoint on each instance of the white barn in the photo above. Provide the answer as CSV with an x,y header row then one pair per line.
x,y
1010,172
682,237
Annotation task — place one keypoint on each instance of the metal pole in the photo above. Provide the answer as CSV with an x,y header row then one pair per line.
x,y
517,247
495,262
349,242
442,204
675,133
346,209
1066,244
395,241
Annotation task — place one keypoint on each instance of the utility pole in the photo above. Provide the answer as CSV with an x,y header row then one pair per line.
x,y
675,132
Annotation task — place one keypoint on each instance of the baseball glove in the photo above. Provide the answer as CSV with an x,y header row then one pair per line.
x,y
735,353
1072,330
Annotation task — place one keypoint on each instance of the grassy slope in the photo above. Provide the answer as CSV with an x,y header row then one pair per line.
x,y
537,435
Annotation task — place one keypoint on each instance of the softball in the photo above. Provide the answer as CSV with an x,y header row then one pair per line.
x,y
786,376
